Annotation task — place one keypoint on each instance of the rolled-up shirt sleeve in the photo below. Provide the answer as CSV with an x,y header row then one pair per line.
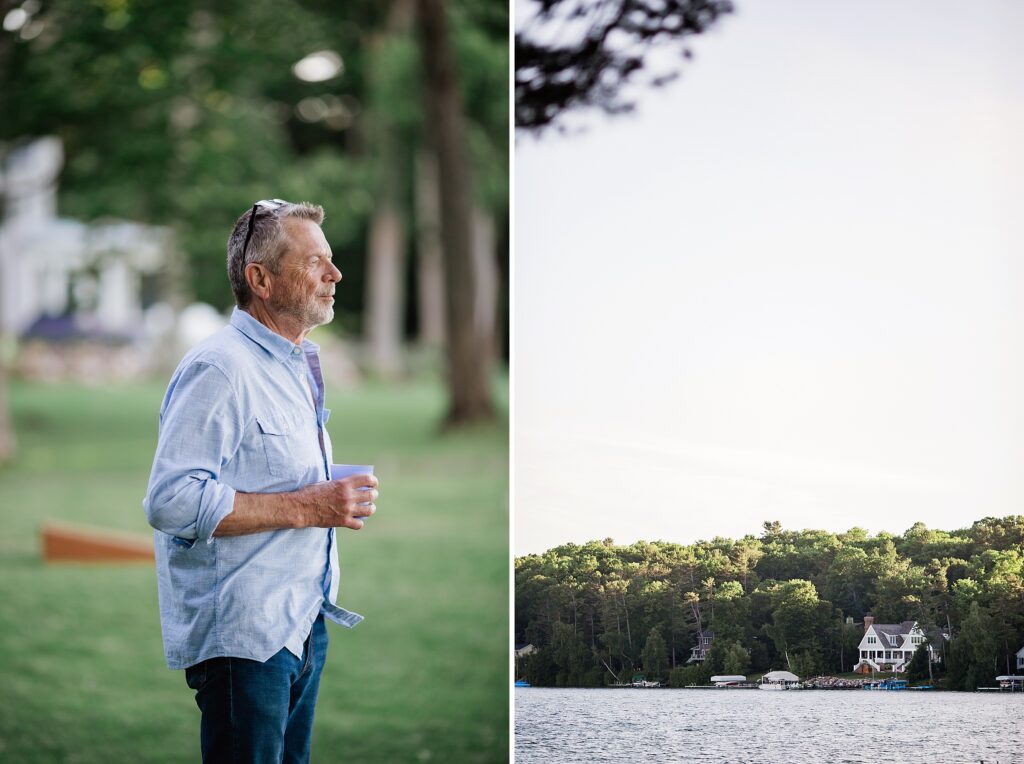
x,y
201,429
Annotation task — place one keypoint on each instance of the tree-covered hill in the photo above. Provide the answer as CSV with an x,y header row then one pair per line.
x,y
786,599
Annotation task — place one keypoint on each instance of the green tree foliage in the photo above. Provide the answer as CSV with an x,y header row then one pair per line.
x,y
731,619
735,659
615,598
185,113
539,668
172,115
695,674
973,651
849,636
569,654
918,668
799,619
806,663
655,658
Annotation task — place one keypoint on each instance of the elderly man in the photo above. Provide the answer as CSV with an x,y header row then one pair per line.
x,y
242,501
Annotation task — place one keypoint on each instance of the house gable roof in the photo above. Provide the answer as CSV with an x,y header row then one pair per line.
x,y
897,635
902,640
893,634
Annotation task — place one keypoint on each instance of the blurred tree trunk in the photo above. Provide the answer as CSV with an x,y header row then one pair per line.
x,y
429,267
385,290
468,361
486,267
384,311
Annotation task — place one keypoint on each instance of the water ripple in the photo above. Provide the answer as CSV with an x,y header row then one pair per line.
x,y
806,727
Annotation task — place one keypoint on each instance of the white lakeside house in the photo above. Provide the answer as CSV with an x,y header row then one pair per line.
x,y
1020,659
890,646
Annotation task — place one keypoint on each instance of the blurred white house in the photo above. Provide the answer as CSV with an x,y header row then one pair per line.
x,y
98,301
85,279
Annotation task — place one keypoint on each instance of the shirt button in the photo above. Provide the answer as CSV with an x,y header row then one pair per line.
x,y
296,351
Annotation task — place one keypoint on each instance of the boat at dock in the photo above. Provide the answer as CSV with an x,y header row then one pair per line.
x,y
887,684
639,682
728,680
1010,683
779,680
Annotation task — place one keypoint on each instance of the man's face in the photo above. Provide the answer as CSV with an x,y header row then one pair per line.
x,y
304,286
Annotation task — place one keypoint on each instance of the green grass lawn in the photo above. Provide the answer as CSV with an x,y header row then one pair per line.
x,y
424,678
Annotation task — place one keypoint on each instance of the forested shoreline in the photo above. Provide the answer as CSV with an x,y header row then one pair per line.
x,y
598,613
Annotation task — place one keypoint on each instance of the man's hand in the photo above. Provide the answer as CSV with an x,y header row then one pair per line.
x,y
343,503
333,504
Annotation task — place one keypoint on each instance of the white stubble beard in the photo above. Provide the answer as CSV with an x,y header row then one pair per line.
x,y
309,314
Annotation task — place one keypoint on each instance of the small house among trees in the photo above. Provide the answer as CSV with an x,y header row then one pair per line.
x,y
1020,659
891,646
524,648
705,639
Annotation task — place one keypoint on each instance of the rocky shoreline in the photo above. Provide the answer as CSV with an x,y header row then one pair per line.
x,y
833,683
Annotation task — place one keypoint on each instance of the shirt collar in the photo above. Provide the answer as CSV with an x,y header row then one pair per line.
x,y
279,347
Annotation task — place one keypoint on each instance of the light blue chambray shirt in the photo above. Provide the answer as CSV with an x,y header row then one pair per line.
x,y
239,415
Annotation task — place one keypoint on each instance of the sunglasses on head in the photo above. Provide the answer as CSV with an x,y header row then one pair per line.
x,y
268,204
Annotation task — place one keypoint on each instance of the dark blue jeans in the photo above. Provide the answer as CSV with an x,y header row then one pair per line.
x,y
259,712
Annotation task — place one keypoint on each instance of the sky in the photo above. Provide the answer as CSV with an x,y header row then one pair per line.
x,y
787,288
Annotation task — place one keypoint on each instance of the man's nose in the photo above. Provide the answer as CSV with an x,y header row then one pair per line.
x,y
334,274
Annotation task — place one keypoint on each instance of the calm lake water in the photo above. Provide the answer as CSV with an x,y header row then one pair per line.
x,y
802,726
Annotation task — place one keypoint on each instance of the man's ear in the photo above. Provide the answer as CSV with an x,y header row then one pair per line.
x,y
258,277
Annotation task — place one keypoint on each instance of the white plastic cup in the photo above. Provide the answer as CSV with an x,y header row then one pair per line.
x,y
341,471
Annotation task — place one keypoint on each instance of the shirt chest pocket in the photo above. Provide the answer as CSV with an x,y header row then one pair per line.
x,y
283,443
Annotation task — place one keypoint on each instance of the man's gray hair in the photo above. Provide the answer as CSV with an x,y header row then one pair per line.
x,y
268,243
